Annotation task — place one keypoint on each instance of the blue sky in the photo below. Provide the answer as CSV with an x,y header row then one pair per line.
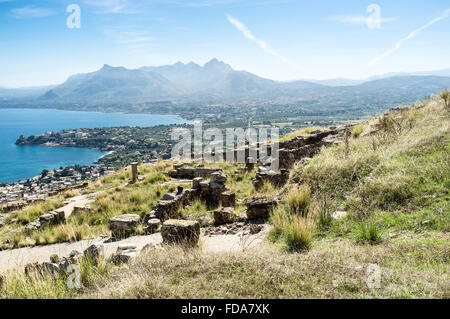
x,y
277,39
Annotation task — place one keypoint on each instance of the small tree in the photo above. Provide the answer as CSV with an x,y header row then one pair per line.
x,y
445,96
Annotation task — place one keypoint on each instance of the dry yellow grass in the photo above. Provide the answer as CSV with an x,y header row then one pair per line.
x,y
332,269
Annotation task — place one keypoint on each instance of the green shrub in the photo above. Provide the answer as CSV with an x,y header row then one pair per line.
x,y
357,130
298,233
279,218
368,232
294,230
324,220
299,200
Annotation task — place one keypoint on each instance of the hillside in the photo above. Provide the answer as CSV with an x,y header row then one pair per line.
x,y
112,84
189,81
368,194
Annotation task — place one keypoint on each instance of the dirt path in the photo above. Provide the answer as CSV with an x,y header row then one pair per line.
x,y
80,200
17,258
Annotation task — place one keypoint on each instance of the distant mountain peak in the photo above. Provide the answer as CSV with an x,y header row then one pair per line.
x,y
217,65
213,61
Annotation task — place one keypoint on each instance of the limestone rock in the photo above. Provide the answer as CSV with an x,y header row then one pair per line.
x,y
185,232
218,177
75,254
192,172
94,251
242,217
124,225
205,221
50,218
228,199
265,174
224,215
166,209
255,228
260,207
152,226
54,258
32,226
124,254
123,257
128,246
338,214
79,208
196,182
168,196
51,268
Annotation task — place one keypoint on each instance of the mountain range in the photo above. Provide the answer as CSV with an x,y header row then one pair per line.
x,y
347,82
216,82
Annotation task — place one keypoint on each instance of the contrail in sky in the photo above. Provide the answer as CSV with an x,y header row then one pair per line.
x,y
409,37
249,35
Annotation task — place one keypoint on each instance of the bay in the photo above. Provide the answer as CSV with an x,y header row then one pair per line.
x,y
22,162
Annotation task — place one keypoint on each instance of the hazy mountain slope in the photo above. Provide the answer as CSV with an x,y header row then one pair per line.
x,y
215,77
348,82
213,80
25,92
114,84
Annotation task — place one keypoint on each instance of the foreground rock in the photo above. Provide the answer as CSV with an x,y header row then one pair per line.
x,y
184,232
13,206
265,174
94,251
153,226
181,171
169,204
260,207
124,253
58,265
211,191
224,215
228,199
208,191
124,225
50,218
338,214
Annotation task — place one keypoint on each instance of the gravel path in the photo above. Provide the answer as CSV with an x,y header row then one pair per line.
x,y
17,258
80,200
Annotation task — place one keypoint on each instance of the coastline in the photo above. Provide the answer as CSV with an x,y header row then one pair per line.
x,y
29,121
108,153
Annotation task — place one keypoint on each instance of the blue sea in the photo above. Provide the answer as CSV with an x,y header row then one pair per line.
x,y
22,162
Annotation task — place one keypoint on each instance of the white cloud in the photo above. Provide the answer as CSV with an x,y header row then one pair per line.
x,y
134,37
248,34
112,6
355,19
409,37
211,3
32,12
129,37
